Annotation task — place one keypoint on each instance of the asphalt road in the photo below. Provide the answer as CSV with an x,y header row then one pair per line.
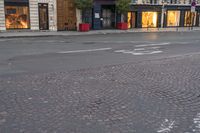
x,y
112,83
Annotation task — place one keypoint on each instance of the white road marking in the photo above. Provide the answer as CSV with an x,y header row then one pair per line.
x,y
83,51
137,52
117,42
196,121
149,48
139,49
154,44
166,126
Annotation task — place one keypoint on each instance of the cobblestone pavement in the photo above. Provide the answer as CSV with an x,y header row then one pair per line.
x,y
158,96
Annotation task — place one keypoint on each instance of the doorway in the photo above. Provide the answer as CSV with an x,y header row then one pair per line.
x,y
43,16
132,20
108,16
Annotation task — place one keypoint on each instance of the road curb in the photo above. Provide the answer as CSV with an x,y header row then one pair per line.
x,y
90,33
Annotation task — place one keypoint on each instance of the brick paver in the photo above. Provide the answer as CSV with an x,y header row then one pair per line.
x,y
160,96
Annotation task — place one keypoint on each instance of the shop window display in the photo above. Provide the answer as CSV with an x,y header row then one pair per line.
x,y
173,18
149,19
190,18
17,17
131,19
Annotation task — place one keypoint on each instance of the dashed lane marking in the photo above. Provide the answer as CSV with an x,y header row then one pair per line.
x,y
83,51
139,52
154,44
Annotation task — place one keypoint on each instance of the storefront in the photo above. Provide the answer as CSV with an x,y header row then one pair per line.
x,y
43,15
181,16
149,19
17,14
173,18
144,16
190,18
28,15
104,14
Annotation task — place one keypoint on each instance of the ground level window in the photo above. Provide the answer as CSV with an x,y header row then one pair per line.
x,y
149,19
131,20
190,18
173,18
17,17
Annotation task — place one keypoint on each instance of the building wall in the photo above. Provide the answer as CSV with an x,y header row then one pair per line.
x,y
34,16
2,16
66,15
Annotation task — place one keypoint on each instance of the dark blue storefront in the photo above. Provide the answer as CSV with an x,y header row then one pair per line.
x,y
185,17
104,14
174,16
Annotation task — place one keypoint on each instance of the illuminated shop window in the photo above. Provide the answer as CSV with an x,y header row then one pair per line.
x,y
149,19
190,18
17,17
173,18
129,20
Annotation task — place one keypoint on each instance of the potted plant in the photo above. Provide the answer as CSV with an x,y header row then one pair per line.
x,y
123,7
84,6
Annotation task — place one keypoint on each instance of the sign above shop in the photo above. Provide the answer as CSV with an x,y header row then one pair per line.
x,y
17,1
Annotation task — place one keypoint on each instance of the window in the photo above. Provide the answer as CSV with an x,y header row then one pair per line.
x,y
150,1
190,18
17,17
134,1
149,19
131,19
173,18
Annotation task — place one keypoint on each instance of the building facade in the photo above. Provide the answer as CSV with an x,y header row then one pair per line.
x,y
147,14
28,15
104,14
157,13
56,15
66,15
43,15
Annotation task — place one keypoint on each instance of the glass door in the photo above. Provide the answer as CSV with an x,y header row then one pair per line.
x,y
43,16
107,18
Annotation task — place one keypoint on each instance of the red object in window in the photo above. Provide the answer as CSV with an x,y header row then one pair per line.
x,y
84,27
122,26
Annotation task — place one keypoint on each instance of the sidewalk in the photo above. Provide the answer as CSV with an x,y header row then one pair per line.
x,y
13,34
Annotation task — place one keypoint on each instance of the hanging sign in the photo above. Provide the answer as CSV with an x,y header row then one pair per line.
x,y
193,6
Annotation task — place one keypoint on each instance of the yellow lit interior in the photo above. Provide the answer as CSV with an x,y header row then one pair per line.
x,y
173,18
149,19
129,20
17,17
189,18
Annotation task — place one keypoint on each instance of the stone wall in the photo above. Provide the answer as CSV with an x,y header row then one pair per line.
x,y
2,16
34,16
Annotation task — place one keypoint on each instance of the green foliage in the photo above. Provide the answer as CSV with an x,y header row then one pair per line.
x,y
84,4
123,6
